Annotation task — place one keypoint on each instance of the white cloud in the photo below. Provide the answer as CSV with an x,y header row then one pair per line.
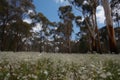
x,y
100,15
30,11
28,20
85,2
38,27
59,1
63,2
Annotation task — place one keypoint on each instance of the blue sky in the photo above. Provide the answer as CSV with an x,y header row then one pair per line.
x,y
50,7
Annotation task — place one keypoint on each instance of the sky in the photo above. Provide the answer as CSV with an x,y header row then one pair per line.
x,y
50,9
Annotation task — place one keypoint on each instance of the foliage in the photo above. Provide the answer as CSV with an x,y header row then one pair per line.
x,y
115,11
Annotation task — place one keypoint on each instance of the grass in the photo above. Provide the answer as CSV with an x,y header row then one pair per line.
x,y
36,66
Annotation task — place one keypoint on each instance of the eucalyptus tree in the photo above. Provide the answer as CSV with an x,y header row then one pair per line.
x,y
66,15
57,37
60,37
3,16
13,12
94,4
109,25
44,33
17,34
88,11
104,39
84,36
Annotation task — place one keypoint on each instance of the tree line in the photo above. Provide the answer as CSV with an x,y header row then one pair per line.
x,y
18,35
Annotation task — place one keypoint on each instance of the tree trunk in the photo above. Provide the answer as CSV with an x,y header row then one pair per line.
x,y
69,32
98,35
3,38
98,41
94,25
94,34
94,48
109,24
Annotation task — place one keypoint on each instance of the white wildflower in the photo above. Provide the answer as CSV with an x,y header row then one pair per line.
x,y
89,79
29,75
83,68
99,71
63,70
46,72
92,65
70,76
18,77
119,73
14,74
0,67
84,77
34,76
8,74
108,74
26,59
7,66
39,54
24,77
103,75
79,71
118,70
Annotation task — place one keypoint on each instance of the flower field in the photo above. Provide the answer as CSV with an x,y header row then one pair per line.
x,y
43,66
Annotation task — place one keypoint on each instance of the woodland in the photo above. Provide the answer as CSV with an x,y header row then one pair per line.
x,y
55,37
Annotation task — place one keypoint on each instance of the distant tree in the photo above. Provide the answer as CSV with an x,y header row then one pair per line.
x,y
19,33
58,37
66,15
117,30
84,36
44,33
12,12
104,39
3,14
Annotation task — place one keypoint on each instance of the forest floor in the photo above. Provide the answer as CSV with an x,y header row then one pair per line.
x,y
58,66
